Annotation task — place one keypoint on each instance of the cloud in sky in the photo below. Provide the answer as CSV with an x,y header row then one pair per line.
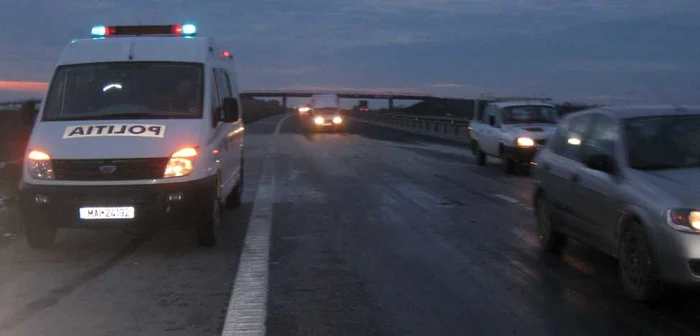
x,y
564,49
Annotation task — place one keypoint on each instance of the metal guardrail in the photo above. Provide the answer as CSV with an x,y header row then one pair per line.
x,y
442,127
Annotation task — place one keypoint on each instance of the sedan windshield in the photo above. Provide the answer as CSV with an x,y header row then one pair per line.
x,y
529,114
663,142
125,90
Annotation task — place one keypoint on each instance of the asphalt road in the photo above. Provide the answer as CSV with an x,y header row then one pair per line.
x,y
374,232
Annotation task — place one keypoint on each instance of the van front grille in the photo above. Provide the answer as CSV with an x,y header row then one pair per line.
x,y
109,169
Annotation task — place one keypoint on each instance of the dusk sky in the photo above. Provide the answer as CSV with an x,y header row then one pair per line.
x,y
601,51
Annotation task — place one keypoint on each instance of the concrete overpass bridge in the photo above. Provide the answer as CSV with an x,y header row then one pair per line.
x,y
390,96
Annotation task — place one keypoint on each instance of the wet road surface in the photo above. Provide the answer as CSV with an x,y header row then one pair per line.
x,y
374,232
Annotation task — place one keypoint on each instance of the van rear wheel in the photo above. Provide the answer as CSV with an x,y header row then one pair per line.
x,y
40,233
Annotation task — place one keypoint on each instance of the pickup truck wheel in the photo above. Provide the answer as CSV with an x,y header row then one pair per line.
x,y
480,155
510,166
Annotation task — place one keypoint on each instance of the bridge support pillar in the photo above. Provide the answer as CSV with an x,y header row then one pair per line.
x,y
284,104
391,104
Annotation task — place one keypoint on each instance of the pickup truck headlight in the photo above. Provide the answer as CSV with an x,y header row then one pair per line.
x,y
39,166
524,142
686,220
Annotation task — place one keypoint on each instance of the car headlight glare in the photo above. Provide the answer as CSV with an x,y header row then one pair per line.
x,y
180,163
318,120
337,120
39,165
525,142
684,220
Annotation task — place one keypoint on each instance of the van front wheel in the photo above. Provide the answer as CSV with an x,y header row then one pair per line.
x,y
206,228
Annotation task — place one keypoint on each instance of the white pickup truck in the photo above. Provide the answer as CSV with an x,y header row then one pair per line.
x,y
512,131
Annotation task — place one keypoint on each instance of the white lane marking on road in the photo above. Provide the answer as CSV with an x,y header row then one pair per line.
x,y
510,200
247,309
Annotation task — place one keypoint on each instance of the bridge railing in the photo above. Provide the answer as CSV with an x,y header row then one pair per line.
x,y
452,128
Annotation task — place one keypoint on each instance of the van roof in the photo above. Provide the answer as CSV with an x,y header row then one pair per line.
x,y
143,48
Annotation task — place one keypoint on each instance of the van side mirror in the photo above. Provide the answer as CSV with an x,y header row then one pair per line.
x,y
230,109
492,120
601,162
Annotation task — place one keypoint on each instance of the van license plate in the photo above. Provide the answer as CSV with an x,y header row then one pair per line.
x,y
107,213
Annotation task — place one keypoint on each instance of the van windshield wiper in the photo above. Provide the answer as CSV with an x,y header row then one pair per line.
x,y
142,115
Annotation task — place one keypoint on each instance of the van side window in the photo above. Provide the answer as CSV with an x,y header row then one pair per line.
x,y
215,102
224,84
569,136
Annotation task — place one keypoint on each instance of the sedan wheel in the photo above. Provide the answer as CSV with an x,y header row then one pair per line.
x,y
636,265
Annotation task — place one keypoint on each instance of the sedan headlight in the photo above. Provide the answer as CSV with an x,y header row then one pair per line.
x,y
318,120
180,163
684,219
337,120
525,142
39,165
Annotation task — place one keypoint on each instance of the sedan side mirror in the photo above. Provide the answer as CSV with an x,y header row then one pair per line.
x,y
601,162
230,108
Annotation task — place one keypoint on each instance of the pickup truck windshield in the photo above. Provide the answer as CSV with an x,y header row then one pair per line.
x,y
529,114
663,142
125,90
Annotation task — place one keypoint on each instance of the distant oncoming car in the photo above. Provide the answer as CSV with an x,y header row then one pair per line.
x,y
326,112
626,181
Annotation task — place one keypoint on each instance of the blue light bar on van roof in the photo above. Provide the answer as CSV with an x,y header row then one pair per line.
x,y
186,29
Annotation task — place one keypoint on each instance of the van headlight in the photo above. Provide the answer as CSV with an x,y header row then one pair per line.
x,y
524,142
180,163
684,219
39,165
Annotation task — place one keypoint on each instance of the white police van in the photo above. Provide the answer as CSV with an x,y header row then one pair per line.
x,y
140,125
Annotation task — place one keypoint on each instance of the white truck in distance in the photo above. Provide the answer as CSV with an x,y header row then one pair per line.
x,y
512,131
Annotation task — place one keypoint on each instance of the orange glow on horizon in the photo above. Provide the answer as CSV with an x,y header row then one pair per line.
x,y
33,87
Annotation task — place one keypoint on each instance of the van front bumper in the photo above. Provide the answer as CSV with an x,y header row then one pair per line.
x,y
60,205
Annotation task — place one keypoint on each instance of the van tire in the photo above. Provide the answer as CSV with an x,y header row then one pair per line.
x,y
40,233
234,200
510,166
206,229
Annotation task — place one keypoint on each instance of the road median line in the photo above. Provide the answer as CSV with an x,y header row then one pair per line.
x,y
247,310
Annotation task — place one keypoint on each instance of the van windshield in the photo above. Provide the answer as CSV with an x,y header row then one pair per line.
x,y
125,90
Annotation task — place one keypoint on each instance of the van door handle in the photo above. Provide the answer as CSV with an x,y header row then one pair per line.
x,y
575,178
